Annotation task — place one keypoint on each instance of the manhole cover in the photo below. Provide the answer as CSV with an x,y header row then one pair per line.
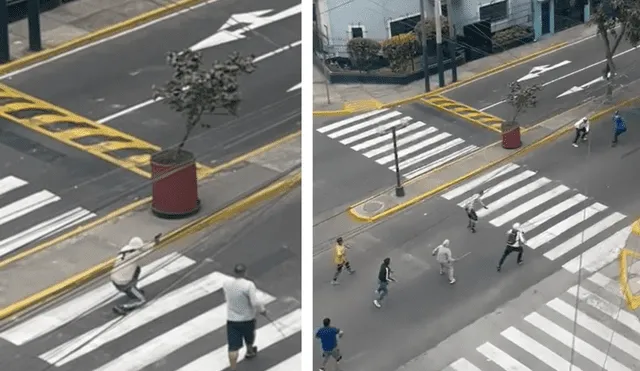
x,y
373,206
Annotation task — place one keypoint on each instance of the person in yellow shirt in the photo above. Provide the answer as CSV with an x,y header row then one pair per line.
x,y
340,260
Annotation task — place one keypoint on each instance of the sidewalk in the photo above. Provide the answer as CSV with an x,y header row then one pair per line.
x,y
339,94
80,18
386,203
35,273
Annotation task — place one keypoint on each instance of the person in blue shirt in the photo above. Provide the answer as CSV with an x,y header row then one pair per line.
x,y
328,336
619,127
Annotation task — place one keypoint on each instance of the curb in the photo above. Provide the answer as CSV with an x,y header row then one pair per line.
x,y
444,89
273,190
463,111
97,35
142,202
551,137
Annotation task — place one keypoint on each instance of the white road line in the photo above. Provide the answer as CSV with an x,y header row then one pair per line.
x,y
362,125
612,310
501,358
547,215
439,162
59,316
537,350
382,138
416,147
292,364
400,142
600,255
583,236
430,153
565,225
295,87
606,283
9,183
513,196
529,205
266,336
26,205
581,346
501,186
468,186
45,229
463,365
345,122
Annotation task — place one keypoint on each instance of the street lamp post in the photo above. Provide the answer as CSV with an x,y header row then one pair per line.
x,y
393,130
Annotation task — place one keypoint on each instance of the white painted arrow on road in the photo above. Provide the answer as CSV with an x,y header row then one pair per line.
x,y
294,88
580,88
539,70
251,21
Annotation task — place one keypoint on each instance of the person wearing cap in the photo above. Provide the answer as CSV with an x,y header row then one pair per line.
x,y
582,130
242,306
470,207
126,273
384,277
619,127
445,259
515,243
340,260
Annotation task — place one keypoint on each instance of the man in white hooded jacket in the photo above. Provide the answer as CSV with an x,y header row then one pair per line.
x,y
126,273
443,256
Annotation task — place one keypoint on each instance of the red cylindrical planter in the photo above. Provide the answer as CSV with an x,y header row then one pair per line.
x,y
511,139
175,185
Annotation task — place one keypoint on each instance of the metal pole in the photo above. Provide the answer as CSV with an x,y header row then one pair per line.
x,y
452,42
399,187
425,59
4,32
438,15
35,35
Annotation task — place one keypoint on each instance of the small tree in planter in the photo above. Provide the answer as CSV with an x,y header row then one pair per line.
x,y
193,91
400,51
520,98
364,53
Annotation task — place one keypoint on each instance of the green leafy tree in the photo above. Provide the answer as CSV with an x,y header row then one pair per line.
x,y
400,51
429,27
363,53
195,90
520,98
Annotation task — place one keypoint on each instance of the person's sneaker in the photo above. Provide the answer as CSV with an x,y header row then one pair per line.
x,y
575,144
452,281
334,282
376,303
252,353
473,230
520,262
352,271
499,268
441,272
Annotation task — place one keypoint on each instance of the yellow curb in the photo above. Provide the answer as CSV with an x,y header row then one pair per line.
x,y
632,301
97,35
137,204
551,137
635,227
465,112
457,84
361,105
229,212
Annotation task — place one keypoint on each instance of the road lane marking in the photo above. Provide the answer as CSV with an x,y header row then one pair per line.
x,y
566,224
465,112
537,350
500,358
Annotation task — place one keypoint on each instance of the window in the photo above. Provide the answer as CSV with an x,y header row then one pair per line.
x,y
445,11
495,12
356,32
403,25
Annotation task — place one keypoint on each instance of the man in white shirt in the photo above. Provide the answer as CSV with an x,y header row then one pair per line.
x,y
582,130
470,208
444,258
515,243
242,306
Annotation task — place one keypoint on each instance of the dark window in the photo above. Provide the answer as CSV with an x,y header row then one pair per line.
x,y
494,12
445,12
357,32
315,10
404,25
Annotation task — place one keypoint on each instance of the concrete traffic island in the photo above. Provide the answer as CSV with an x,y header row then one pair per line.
x,y
630,268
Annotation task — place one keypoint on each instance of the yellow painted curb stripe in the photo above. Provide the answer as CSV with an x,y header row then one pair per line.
x,y
97,35
137,204
237,208
467,113
551,137
632,301
457,84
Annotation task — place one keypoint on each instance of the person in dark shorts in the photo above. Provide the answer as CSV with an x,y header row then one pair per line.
x,y
242,306
328,336
384,277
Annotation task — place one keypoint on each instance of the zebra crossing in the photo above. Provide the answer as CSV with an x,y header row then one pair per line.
x,y
46,215
556,219
584,329
421,148
83,333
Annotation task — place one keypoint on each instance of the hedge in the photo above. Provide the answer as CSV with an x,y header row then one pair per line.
x,y
400,51
363,53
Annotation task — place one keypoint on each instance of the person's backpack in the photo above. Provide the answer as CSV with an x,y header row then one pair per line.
x,y
512,238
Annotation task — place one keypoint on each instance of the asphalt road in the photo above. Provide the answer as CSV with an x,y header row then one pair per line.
x,y
77,178
266,239
585,65
108,78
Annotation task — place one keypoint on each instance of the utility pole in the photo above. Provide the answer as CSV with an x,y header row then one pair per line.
x,y
394,137
438,15
452,42
4,32
425,57
35,35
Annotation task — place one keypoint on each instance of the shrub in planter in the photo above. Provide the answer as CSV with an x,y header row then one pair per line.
x,y
509,35
193,91
430,29
400,51
520,98
364,53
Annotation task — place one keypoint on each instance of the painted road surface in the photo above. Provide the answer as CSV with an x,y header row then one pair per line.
x,y
559,72
47,188
182,327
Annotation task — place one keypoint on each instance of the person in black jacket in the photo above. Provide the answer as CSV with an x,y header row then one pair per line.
x,y
384,277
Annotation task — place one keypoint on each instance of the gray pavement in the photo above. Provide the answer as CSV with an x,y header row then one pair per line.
x,y
183,323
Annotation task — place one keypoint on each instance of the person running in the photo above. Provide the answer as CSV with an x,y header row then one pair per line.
x,y
384,277
242,305
328,336
125,273
515,243
340,260
470,208
582,131
444,258
619,127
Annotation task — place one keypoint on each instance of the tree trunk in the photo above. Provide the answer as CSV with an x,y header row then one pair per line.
x,y
187,133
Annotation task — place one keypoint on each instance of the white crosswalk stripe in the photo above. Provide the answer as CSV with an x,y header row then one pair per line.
x,y
78,332
596,328
421,148
557,220
20,202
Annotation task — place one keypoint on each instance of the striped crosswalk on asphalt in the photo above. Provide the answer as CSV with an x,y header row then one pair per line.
x,y
421,148
83,333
